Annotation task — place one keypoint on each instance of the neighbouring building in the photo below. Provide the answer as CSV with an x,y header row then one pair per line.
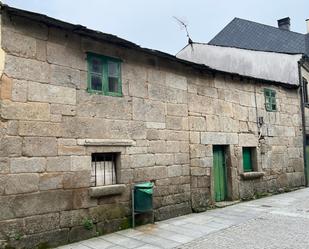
x,y
85,115
258,50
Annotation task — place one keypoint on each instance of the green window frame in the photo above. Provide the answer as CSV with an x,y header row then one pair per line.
x,y
104,75
247,159
270,100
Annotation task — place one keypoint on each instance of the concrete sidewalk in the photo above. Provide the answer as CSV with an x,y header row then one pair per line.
x,y
194,227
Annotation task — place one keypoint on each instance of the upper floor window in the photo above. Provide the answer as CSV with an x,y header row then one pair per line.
x,y
104,75
270,100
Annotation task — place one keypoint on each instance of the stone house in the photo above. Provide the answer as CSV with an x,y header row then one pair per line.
x,y
263,51
85,115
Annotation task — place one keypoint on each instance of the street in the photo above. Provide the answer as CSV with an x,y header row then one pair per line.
x,y
280,221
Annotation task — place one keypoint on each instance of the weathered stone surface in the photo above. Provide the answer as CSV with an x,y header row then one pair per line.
x,y
21,183
219,138
41,203
64,76
197,124
19,90
9,229
77,179
67,110
81,233
40,146
50,181
174,170
10,146
39,129
82,199
176,123
62,55
25,111
18,44
62,163
51,94
27,69
177,110
80,163
73,217
4,165
142,160
249,140
27,165
42,223
146,110
6,87
176,81
107,190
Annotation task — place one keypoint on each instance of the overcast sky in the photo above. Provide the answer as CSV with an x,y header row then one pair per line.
x,y
149,23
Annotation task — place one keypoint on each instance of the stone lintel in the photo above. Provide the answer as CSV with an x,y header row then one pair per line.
x,y
107,190
252,175
105,142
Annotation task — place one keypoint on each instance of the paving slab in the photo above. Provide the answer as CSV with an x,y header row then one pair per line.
x,y
279,221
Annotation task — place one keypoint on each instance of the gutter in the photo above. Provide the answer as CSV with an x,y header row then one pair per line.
x,y
302,104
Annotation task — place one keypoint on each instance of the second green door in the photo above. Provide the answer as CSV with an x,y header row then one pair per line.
x,y
219,173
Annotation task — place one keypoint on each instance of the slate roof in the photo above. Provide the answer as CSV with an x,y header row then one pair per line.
x,y
246,34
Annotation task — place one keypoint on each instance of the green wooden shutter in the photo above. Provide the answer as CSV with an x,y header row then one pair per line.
x,y
247,159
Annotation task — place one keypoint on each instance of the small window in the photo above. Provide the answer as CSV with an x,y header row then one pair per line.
x,y
104,75
103,169
305,89
270,100
247,153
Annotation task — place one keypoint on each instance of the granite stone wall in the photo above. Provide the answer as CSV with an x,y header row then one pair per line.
x,y
163,129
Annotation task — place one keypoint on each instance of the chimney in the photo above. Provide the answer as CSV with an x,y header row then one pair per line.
x,y
307,22
284,23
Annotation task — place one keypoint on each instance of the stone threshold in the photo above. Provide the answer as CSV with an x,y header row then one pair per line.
x,y
222,204
105,142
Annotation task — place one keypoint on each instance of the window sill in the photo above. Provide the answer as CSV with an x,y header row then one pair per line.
x,y
108,190
252,175
105,142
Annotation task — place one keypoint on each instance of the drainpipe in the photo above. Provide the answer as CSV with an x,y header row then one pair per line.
x,y
302,104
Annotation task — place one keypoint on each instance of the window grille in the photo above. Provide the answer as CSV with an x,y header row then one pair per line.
x,y
103,169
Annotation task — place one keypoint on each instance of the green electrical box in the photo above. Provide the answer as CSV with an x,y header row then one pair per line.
x,y
143,197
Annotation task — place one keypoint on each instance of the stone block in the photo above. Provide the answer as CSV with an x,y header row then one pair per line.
x,y
197,150
157,146
80,163
73,218
42,223
66,150
40,53
142,160
219,138
22,183
108,190
25,111
50,181
197,124
177,110
6,87
66,110
148,110
248,140
39,129
181,158
176,123
27,69
19,90
62,163
40,146
202,162
65,56
18,44
174,170
155,125
27,165
176,81
176,96
41,203
157,92
10,146
82,199
77,179
138,88
213,123
4,165
51,93
65,76
194,137
164,159
155,134
10,229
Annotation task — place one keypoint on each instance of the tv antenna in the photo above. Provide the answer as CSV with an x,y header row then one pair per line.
x,y
184,25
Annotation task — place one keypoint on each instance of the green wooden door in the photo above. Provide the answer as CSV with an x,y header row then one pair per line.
x,y
219,172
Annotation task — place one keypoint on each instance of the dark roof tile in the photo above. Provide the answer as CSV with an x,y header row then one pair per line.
x,y
245,34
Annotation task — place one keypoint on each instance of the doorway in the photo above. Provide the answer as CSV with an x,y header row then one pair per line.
x,y
220,173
